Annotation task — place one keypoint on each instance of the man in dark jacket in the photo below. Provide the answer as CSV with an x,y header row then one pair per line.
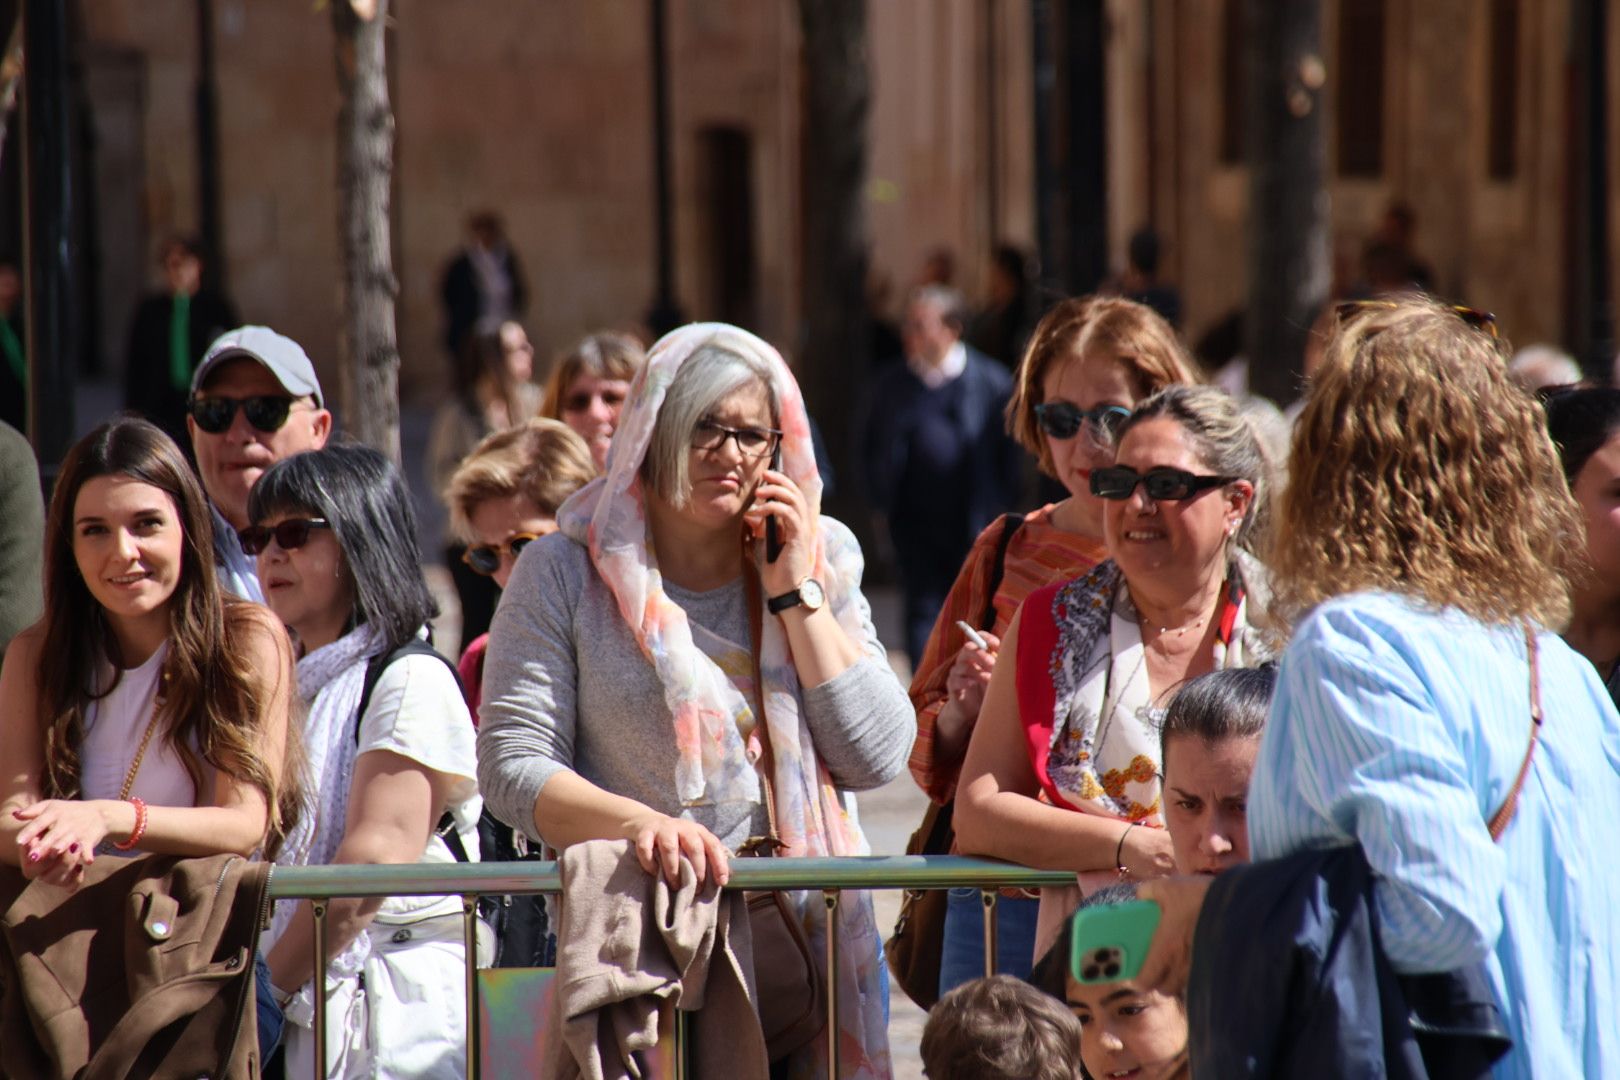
x,y
171,331
939,463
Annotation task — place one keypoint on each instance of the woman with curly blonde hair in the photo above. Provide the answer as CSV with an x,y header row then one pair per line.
x,y
1089,363
1427,540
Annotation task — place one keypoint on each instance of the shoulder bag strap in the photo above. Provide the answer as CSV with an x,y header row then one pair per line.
x,y
767,762
1504,814
1009,525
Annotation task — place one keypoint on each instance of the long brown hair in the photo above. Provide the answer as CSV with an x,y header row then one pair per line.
x,y
213,694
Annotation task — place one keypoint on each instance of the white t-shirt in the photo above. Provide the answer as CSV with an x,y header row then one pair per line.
x,y
417,711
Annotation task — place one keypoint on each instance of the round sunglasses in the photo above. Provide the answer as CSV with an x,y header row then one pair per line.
x,y
289,535
266,412
1117,482
485,559
1061,420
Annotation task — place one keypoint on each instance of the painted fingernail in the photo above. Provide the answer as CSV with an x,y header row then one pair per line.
x,y
73,849
17,814
33,856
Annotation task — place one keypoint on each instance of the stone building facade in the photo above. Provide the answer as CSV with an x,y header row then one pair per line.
x,y
543,112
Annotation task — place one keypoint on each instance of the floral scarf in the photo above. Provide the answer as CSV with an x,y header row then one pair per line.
x,y
712,721
1092,729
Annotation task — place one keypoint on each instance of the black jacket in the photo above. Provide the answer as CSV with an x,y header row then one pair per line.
x,y
1288,979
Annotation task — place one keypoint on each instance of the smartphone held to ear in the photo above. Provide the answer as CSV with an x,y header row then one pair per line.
x,y
773,534
1109,942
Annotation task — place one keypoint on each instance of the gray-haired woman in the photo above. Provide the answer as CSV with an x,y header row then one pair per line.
x,y
1063,769
620,680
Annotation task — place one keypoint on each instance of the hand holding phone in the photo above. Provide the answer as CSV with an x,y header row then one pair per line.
x,y
1109,942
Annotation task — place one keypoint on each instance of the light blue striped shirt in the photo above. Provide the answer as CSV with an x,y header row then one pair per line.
x,y
238,572
1403,728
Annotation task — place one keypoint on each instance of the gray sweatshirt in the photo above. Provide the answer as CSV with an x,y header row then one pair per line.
x,y
566,688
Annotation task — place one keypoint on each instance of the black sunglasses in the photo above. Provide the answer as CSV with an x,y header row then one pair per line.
x,y
1162,485
266,412
289,534
1061,420
486,558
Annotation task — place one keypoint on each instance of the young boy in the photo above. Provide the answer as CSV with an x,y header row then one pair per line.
x,y
1000,1028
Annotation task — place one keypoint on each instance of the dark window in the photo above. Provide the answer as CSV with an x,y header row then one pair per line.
x,y
1361,88
729,214
1234,83
1502,140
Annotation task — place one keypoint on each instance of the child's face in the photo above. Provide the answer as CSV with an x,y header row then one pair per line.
x,y
1127,1033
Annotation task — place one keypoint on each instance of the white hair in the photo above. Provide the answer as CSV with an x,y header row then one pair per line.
x,y
711,374
1537,367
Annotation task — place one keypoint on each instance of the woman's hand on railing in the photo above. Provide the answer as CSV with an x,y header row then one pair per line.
x,y
59,837
660,842
1147,853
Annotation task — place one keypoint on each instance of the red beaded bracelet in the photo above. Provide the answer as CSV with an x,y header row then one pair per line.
x,y
139,830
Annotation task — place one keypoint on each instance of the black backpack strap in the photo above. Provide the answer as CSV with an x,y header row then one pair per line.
x,y
379,663
1009,525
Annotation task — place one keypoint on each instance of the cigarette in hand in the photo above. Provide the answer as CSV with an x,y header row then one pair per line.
x,y
972,635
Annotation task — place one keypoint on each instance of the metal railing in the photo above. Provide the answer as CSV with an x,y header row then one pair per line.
x,y
320,884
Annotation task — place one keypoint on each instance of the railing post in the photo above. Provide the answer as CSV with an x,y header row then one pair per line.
x,y
318,909
830,897
989,897
683,1044
469,933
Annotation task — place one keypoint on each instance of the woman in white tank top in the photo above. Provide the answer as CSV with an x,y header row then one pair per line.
x,y
147,711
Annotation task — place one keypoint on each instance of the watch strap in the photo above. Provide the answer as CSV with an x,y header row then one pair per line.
x,y
778,604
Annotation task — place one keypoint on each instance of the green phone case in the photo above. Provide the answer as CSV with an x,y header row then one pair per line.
x,y
1109,942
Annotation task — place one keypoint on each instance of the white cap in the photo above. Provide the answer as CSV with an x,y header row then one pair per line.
x,y
282,357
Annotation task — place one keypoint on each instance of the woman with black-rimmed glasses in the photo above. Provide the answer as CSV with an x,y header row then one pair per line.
x,y
1063,770
633,648
1088,364
391,770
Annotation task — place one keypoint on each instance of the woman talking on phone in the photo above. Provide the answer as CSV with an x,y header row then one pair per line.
x,y
620,679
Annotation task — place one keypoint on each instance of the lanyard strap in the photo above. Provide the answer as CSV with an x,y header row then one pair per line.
x,y
1504,814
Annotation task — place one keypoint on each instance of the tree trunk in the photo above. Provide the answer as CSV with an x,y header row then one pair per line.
x,y
834,364
368,348
1289,266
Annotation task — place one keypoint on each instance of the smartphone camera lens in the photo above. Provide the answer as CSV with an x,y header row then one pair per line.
x,y
1112,971
1091,973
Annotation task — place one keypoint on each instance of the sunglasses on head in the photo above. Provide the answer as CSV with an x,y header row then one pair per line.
x,y
266,412
1061,420
486,558
288,535
1117,482
1483,321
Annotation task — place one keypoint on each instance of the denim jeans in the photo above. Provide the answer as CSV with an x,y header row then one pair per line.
x,y
963,955
270,1018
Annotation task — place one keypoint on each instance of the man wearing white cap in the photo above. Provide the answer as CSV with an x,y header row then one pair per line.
x,y
254,400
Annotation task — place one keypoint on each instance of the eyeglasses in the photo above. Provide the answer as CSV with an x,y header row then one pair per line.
x,y
1162,485
1483,321
266,412
486,558
1061,420
751,442
289,535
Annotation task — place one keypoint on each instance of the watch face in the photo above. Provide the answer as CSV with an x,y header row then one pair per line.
x,y
810,594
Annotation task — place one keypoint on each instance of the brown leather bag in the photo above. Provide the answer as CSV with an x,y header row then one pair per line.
x,y
792,996
144,970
